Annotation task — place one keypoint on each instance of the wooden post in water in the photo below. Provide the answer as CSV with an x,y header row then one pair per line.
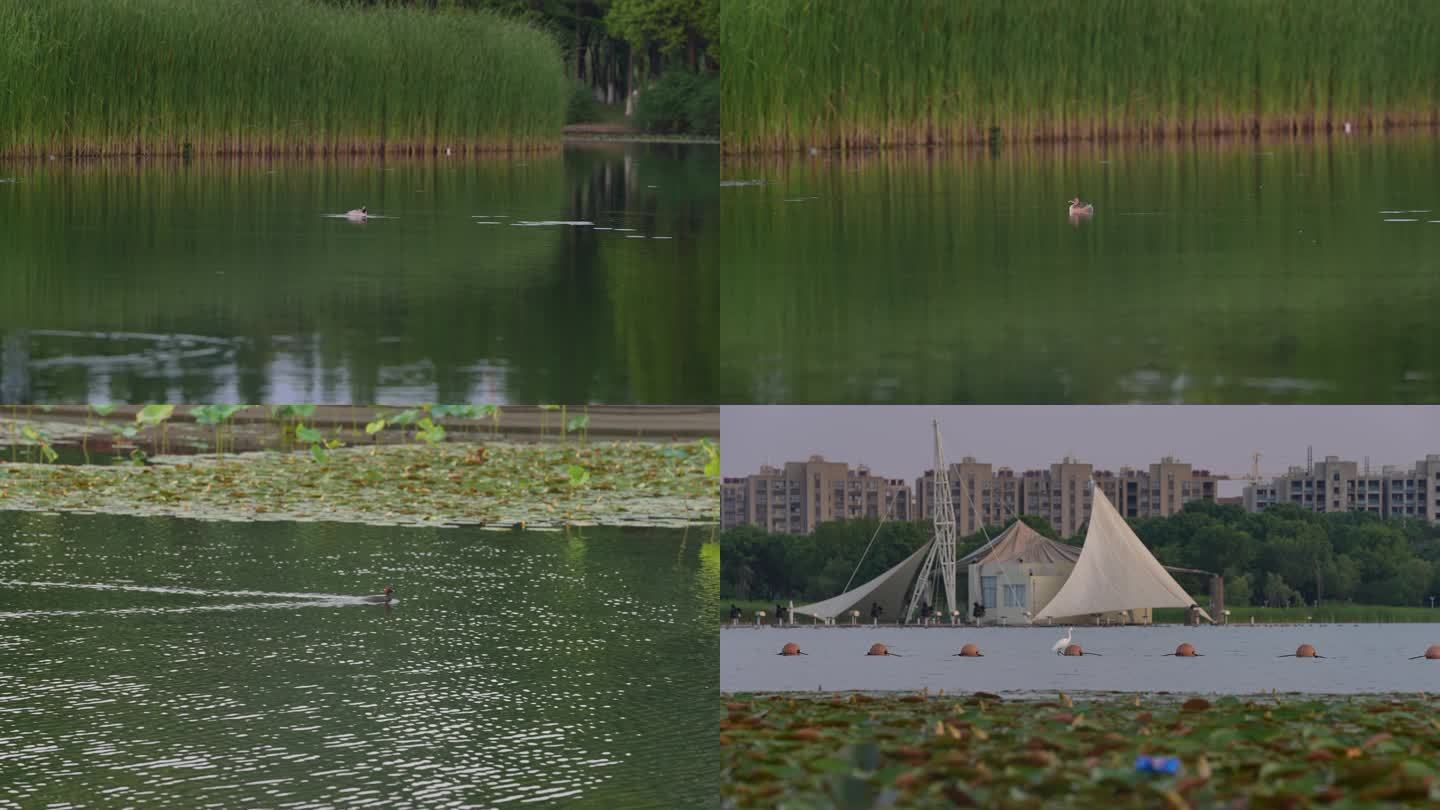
x,y
1217,598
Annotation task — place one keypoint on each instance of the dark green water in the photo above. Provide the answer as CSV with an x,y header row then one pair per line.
x,y
1223,273
221,664
216,280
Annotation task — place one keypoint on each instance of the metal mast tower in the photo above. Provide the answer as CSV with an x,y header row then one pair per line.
x,y
944,546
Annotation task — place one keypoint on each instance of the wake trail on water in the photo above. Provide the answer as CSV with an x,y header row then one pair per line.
x,y
29,614
123,586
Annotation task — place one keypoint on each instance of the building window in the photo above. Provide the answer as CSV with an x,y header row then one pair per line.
x,y
987,591
1015,596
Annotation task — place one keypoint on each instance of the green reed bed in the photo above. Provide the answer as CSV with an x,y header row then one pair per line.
x,y
882,72
231,76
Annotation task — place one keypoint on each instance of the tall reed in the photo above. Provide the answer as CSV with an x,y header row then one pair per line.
x,y
271,76
863,73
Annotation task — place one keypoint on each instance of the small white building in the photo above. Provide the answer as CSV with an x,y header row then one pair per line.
x,y
1019,572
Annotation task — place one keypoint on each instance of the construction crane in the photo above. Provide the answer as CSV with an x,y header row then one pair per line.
x,y
1253,476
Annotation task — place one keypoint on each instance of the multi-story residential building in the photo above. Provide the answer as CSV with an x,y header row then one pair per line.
x,y
979,495
1058,494
1162,490
1414,492
802,495
1333,485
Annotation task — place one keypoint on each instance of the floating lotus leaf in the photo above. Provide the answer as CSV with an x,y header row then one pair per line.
x,y
832,750
530,485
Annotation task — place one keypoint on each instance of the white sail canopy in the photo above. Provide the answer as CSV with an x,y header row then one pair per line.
x,y
1115,572
888,590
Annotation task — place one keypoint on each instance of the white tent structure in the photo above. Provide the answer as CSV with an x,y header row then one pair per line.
x,y
887,591
1016,572
1113,577
1115,572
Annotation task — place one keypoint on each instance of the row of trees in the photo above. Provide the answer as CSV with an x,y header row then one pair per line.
x,y
612,46
1280,556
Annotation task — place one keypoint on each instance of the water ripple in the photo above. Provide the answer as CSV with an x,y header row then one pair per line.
x,y
174,663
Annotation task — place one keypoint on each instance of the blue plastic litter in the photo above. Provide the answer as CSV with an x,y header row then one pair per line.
x,y
1165,765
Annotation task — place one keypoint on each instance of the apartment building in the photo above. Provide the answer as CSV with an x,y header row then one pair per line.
x,y
1059,494
1162,489
803,494
1334,485
979,494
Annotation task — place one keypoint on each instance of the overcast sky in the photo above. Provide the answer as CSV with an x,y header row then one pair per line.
x,y
894,440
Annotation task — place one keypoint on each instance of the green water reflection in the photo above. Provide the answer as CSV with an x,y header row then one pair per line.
x,y
225,280
1219,273
163,662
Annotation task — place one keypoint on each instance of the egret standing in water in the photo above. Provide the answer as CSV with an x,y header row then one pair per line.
x,y
1060,645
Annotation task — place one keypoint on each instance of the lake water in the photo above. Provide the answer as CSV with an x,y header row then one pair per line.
x,y
1234,660
234,281
1224,272
173,663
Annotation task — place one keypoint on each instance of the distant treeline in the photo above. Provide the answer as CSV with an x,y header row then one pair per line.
x,y
609,44
863,73
664,49
281,76
1282,556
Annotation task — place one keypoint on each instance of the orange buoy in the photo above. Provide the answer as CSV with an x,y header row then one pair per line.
x,y
1186,650
1305,651
970,651
1074,649
878,649
1433,651
791,649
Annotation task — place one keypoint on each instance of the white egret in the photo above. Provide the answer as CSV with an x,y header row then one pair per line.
x,y
1060,645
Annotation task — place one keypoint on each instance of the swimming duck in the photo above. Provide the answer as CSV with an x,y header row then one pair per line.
x,y
358,213
382,598
1079,209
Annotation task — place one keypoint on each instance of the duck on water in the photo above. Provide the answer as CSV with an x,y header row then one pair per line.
x,y
384,598
1080,209
358,213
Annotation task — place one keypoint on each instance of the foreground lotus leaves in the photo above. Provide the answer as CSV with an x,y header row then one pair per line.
x,y
863,751
535,485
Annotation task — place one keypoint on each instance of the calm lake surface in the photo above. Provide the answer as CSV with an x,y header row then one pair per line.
x,y
1217,273
233,281
1234,660
162,662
